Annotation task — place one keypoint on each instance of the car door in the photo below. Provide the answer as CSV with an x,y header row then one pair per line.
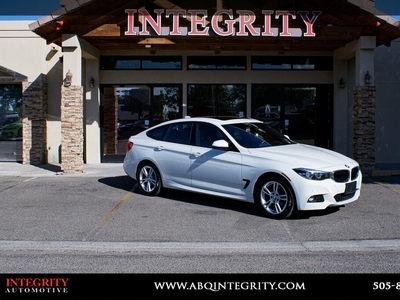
x,y
172,154
217,170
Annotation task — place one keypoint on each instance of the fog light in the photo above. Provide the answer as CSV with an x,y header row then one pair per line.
x,y
316,198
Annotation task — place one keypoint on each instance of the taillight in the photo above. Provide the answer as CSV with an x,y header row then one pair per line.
x,y
129,146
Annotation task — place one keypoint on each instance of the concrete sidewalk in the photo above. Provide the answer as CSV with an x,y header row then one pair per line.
x,y
93,170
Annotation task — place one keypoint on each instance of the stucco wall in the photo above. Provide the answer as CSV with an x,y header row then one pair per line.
x,y
387,141
26,53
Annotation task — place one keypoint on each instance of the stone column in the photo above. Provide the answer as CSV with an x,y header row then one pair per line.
x,y
34,115
72,129
364,127
364,105
110,121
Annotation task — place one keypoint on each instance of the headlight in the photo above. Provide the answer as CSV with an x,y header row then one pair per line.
x,y
313,174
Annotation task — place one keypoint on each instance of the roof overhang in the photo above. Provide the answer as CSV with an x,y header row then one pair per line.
x,y
10,76
103,24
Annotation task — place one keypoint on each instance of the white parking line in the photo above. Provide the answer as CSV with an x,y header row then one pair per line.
x,y
29,179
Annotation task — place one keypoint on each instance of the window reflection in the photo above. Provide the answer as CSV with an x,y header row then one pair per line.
x,y
10,122
291,63
141,63
10,111
217,100
216,62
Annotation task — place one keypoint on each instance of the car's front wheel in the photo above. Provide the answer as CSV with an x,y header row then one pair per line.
x,y
149,179
275,197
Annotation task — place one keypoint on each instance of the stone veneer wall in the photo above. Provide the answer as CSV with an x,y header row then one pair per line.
x,y
34,116
364,127
110,122
72,129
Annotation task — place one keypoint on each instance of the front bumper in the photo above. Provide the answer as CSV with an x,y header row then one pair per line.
x,y
328,192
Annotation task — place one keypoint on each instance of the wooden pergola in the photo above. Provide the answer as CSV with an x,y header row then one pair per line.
x,y
103,25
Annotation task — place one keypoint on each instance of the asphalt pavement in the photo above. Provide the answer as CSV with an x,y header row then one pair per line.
x,y
97,222
47,170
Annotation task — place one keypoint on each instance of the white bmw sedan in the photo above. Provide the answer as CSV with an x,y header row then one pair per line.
x,y
241,159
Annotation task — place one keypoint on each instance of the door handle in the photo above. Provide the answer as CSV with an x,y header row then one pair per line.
x,y
160,148
196,154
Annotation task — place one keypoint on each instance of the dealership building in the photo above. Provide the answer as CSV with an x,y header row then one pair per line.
x,y
77,82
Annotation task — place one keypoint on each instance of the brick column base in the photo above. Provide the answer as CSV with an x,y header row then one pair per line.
x,y
72,129
364,127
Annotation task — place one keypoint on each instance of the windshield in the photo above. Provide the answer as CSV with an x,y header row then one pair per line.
x,y
256,135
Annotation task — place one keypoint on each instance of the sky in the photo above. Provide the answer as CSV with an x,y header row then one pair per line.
x,y
34,9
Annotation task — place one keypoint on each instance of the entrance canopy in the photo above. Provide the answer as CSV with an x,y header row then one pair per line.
x,y
218,25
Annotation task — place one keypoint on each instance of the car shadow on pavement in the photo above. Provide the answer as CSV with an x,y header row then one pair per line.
x,y
302,215
210,201
235,205
125,183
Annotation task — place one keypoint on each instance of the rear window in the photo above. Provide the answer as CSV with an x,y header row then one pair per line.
x,y
179,133
157,133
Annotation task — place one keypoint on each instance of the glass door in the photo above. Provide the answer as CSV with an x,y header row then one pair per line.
x,y
268,106
299,117
304,113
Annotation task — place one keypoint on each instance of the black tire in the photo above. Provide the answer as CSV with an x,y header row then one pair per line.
x,y
275,198
149,179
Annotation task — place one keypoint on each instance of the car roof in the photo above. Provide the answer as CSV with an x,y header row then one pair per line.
x,y
221,120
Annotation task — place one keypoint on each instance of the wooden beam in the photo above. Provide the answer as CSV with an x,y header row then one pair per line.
x,y
156,41
112,30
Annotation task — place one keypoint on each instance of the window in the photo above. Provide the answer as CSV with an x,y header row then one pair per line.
x,y
207,134
256,135
141,63
216,62
162,63
10,111
217,100
157,133
291,63
178,133
10,122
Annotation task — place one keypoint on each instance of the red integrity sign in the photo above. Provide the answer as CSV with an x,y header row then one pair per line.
x,y
223,23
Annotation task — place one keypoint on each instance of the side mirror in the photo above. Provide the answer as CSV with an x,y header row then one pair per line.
x,y
220,144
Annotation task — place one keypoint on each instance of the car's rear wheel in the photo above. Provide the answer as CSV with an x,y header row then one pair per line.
x,y
149,179
275,197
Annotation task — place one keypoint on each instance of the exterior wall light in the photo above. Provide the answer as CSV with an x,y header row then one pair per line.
x,y
367,78
342,83
91,82
68,79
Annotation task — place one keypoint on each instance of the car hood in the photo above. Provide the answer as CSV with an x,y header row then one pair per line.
x,y
303,156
